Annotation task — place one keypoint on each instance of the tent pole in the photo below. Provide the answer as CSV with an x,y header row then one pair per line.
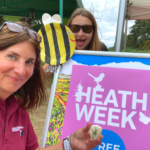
x,y
61,10
50,107
120,25
125,35
1,20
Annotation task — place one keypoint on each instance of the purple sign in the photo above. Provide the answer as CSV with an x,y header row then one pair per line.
x,y
113,98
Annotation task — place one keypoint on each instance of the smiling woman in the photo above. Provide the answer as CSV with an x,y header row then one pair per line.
x,y
19,48
22,89
19,62
84,27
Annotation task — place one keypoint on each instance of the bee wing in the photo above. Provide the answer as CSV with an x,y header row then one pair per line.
x,y
56,18
46,18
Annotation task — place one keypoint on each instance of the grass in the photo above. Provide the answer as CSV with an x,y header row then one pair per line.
x,y
14,19
11,18
129,49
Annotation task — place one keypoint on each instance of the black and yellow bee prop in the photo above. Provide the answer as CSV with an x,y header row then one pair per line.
x,y
57,45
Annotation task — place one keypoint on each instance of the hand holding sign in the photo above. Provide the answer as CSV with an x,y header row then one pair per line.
x,y
82,140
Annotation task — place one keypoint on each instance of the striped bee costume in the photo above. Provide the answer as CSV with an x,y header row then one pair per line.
x,y
57,45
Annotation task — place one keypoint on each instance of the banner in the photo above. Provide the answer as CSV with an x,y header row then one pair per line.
x,y
113,61
115,99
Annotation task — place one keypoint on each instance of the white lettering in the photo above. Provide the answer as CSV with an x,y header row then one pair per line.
x,y
98,114
108,98
102,146
94,96
111,116
79,94
108,146
15,129
124,97
84,110
142,101
116,147
128,118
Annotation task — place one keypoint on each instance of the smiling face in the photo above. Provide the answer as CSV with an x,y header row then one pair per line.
x,y
16,67
82,39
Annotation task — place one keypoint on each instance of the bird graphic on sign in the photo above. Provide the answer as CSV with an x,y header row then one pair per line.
x,y
98,79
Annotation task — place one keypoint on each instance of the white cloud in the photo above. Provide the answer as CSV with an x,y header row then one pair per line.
x,y
106,14
67,66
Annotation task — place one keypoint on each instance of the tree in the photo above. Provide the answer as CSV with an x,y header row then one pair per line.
x,y
146,45
140,32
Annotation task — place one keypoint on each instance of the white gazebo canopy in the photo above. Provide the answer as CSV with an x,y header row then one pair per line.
x,y
139,10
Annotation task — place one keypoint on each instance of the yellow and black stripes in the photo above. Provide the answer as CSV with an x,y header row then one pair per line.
x,y
66,41
47,48
58,43
56,46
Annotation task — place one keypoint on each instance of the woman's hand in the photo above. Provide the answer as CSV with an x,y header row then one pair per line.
x,y
81,139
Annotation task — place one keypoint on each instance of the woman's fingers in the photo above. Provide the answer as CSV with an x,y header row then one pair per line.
x,y
93,143
88,145
86,129
98,141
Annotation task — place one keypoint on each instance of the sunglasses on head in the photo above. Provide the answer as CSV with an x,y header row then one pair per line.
x,y
14,27
85,28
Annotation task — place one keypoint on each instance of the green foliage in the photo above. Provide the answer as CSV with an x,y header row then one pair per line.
x,y
37,27
140,32
146,45
11,18
65,20
132,50
111,49
138,41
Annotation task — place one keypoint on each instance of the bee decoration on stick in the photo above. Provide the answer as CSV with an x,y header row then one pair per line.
x,y
58,42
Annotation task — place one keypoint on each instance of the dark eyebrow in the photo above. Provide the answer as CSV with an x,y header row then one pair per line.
x,y
19,55
14,53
